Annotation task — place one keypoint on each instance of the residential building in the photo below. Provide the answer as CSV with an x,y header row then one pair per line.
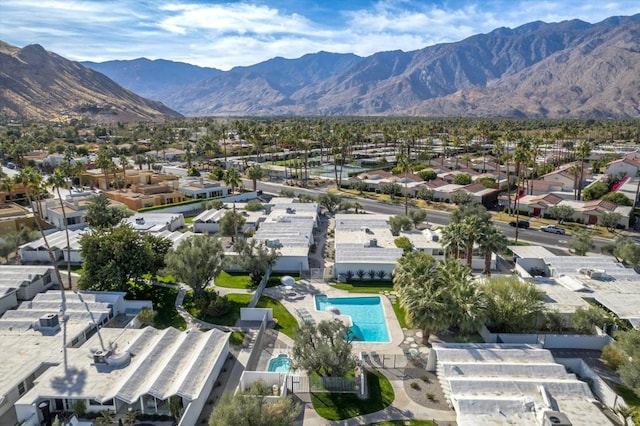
x,y
628,165
505,384
23,282
202,188
289,228
155,222
75,210
36,251
587,212
148,195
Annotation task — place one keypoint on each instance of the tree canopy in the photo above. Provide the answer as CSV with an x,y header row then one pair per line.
x,y
324,349
255,258
101,215
251,408
513,306
196,261
114,256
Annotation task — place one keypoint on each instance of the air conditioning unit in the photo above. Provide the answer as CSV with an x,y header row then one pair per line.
x,y
555,418
100,357
597,273
49,321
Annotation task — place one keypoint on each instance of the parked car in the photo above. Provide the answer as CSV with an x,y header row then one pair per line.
x,y
521,224
552,229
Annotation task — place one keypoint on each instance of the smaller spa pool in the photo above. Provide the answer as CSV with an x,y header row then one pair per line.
x,y
280,364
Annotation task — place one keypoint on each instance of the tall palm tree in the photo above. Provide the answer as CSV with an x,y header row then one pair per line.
x,y
255,173
33,183
58,180
491,241
583,149
7,184
403,164
124,162
105,163
232,178
77,170
472,231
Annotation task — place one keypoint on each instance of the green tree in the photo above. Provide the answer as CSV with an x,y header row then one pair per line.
x,y
100,215
404,243
403,165
513,306
561,212
231,222
400,223
582,150
254,206
595,191
427,174
468,304
453,238
585,320
255,173
618,198
417,216
146,316
324,349
105,162
492,240
626,351
467,210
196,261
157,249
580,242
114,256
250,407
610,220
255,258
462,179
329,201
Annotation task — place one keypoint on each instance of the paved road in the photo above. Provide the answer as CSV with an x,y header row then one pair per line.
x,y
531,235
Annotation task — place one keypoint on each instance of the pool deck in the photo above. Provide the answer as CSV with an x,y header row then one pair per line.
x,y
302,298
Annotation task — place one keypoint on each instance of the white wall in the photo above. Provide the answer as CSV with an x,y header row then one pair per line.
x,y
206,227
598,386
343,268
42,256
7,302
256,314
291,264
194,408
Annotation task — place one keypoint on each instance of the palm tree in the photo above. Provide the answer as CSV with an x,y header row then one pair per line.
x,y
232,178
583,150
7,185
467,307
453,238
492,240
57,180
403,164
255,173
105,163
124,162
33,183
472,231
77,170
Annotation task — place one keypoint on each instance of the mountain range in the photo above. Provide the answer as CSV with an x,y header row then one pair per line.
x,y
570,69
41,85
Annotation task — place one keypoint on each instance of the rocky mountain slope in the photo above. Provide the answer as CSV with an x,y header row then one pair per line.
x,y
152,78
41,85
566,69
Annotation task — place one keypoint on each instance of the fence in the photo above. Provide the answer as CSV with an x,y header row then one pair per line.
x,y
260,289
549,341
333,384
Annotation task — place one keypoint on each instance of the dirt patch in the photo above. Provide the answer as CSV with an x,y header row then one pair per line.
x,y
423,388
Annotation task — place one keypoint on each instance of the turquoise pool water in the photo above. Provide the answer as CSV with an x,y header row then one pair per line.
x,y
280,364
367,315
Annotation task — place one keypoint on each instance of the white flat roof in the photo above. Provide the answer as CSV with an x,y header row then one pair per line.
x,y
525,252
496,384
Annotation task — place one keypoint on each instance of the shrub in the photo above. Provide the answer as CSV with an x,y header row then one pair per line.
x,y
431,396
415,385
425,378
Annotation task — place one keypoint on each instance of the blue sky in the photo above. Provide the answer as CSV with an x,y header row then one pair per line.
x,y
226,34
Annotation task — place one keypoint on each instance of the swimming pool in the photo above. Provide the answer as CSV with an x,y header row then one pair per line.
x,y
367,315
280,364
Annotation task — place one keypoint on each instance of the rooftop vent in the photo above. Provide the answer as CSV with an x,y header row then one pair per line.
x,y
139,220
435,238
373,242
555,418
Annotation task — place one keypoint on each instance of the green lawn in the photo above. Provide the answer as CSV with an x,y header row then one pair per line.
x,y
339,406
286,323
233,280
632,400
375,287
163,302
